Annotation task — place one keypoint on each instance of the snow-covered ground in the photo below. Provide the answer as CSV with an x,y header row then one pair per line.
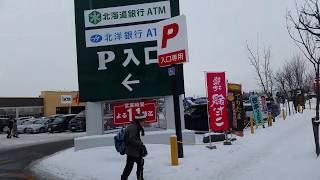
x,y
32,139
284,151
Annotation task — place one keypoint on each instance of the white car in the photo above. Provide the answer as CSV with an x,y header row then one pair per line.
x,y
23,126
38,126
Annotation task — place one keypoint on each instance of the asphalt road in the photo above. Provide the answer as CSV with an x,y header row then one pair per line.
x,y
14,163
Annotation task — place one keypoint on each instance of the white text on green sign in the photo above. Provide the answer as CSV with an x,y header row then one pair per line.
x,y
127,14
121,35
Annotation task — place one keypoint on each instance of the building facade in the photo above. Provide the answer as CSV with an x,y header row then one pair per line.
x,y
21,107
48,103
61,102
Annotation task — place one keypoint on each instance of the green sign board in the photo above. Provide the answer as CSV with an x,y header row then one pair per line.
x,y
116,49
254,100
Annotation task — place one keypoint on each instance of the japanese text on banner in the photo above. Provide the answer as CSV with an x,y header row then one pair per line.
x,y
217,101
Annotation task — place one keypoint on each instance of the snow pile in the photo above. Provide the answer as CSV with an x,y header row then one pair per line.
x,y
284,151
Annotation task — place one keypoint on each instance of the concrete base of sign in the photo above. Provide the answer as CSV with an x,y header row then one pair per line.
x,y
94,118
169,112
154,137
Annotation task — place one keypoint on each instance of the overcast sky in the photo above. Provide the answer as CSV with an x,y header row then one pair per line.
x,y
38,50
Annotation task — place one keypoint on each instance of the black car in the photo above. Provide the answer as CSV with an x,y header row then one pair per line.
x,y
60,123
196,117
78,123
4,123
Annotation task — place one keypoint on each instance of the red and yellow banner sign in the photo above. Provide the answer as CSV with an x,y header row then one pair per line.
x,y
217,101
124,113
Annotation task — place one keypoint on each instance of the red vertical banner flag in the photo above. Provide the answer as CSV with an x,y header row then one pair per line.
x,y
217,101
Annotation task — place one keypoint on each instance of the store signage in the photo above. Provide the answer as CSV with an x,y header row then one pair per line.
x,y
254,99
172,41
117,49
124,113
127,14
121,35
237,110
66,99
217,101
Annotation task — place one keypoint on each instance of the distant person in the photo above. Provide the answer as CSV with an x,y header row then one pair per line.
x,y
15,129
295,103
135,148
303,102
10,126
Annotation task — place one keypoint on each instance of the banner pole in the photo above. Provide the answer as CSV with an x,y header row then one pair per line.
x,y
209,129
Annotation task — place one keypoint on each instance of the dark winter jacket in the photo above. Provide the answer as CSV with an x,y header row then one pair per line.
x,y
133,140
11,124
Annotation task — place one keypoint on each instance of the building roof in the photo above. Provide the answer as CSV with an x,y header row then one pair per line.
x,y
20,101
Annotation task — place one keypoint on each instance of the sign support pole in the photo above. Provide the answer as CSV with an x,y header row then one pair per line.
x,y
176,106
210,140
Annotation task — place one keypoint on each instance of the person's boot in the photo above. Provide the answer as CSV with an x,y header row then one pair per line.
x,y
123,178
140,176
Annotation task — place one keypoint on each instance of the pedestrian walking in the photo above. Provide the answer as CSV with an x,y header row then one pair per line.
x,y
15,129
10,126
135,149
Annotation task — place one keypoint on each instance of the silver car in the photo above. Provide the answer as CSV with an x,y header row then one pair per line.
x,y
21,128
38,126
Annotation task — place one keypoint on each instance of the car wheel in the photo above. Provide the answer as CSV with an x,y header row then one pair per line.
x,y
50,130
108,127
42,130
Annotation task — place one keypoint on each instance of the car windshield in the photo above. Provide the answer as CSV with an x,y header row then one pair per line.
x,y
27,122
38,122
81,114
58,120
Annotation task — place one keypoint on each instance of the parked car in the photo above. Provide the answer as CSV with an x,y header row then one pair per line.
x,y
196,117
188,101
60,123
38,126
201,100
22,127
54,116
20,122
23,118
4,122
274,108
78,123
48,121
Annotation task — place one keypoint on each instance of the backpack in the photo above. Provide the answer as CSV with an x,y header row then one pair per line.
x,y
120,141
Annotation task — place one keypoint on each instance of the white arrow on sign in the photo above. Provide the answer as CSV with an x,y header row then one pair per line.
x,y
126,83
